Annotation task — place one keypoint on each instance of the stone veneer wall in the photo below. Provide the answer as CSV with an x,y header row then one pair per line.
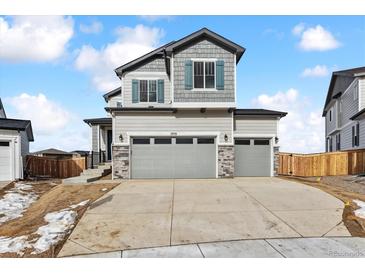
x,y
225,161
276,160
120,162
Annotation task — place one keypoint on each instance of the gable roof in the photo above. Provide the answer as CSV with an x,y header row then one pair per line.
x,y
2,109
112,93
52,151
159,52
350,74
205,33
172,46
16,124
259,112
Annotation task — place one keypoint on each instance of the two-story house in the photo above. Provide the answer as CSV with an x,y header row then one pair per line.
x,y
175,116
344,110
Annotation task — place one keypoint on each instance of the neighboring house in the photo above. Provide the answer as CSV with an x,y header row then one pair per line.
x,y
53,153
344,110
15,136
175,116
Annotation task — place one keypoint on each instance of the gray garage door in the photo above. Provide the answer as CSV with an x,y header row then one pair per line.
x,y
185,157
252,157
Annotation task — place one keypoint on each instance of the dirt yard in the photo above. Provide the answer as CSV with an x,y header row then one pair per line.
x,y
345,188
63,203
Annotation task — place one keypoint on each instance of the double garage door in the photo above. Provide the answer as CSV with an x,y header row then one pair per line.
x,y
5,166
252,157
180,157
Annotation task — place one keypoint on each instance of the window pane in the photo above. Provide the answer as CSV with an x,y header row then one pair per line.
x,y
198,75
245,142
141,141
152,91
205,140
143,90
4,144
209,75
162,141
184,140
261,142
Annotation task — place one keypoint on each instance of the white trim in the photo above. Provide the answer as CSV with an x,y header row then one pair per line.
x,y
172,92
204,61
235,79
255,135
359,94
204,105
146,73
272,157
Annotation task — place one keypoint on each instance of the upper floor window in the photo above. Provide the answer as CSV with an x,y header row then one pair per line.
x,y
204,74
147,91
330,114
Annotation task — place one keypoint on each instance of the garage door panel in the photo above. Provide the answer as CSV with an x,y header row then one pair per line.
x,y
5,167
252,160
173,160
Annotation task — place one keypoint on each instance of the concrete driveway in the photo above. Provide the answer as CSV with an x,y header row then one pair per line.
x,y
155,213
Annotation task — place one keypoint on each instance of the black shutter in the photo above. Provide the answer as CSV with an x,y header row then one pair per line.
x,y
353,136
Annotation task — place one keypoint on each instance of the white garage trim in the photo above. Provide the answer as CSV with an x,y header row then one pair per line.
x,y
16,171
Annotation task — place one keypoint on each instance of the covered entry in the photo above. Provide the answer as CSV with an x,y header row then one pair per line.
x,y
180,157
252,157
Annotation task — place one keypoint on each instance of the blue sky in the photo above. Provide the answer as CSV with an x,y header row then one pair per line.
x,y
54,70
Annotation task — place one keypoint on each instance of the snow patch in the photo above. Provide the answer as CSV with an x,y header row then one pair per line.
x,y
15,202
79,204
104,189
59,223
14,245
361,211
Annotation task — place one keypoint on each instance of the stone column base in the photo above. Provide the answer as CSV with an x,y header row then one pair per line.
x,y
121,165
225,161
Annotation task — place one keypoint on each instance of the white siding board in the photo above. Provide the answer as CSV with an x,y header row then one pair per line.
x,y
182,121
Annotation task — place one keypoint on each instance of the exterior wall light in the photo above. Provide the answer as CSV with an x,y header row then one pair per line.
x,y
121,138
226,138
276,140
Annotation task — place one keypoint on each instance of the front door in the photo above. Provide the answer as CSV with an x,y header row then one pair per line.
x,y
109,143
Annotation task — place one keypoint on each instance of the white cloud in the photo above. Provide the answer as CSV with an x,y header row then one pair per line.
x,y
276,33
317,71
93,28
298,29
302,130
154,18
315,38
34,38
53,125
130,44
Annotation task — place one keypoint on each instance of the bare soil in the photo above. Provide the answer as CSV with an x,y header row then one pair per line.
x,y
56,198
345,188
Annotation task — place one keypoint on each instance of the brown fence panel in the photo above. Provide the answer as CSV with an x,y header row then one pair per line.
x,y
54,168
322,164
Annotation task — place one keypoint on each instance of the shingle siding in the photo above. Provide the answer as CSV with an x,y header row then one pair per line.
x,y
95,138
204,49
156,65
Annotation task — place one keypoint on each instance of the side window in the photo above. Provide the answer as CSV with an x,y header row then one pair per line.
x,y
330,114
356,135
338,142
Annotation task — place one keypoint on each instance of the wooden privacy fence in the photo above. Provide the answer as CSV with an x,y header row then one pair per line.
x,y
322,164
55,168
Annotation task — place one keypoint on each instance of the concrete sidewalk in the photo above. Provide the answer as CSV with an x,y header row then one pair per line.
x,y
337,247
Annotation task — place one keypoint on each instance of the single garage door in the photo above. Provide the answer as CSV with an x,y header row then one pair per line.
x,y
252,157
5,172
180,157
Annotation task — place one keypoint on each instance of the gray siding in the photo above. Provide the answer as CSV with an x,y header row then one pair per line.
x,y
244,125
114,100
349,106
204,49
94,138
362,92
24,143
346,137
182,121
156,65
331,124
